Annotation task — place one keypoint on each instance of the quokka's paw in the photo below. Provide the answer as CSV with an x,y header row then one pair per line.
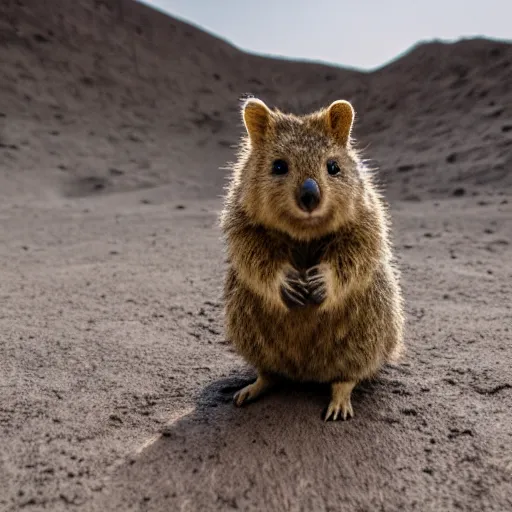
x,y
245,395
316,284
340,406
294,291
252,391
338,411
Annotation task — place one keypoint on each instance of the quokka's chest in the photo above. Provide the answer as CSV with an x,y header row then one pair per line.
x,y
305,255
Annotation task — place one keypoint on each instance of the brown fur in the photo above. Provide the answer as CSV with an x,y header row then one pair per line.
x,y
357,326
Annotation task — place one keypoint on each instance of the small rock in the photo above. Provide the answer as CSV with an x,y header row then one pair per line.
x,y
459,192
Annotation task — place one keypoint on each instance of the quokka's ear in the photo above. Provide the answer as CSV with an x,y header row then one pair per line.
x,y
256,116
340,118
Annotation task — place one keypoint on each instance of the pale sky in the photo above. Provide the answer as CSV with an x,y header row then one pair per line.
x,y
361,33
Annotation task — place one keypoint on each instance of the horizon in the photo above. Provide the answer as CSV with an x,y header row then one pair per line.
x,y
382,43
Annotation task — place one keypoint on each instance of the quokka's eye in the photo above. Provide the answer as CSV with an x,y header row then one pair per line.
x,y
332,167
279,167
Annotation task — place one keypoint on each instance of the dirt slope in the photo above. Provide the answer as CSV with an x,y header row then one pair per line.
x,y
155,101
115,377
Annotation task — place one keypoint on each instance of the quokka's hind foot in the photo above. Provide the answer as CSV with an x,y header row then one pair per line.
x,y
253,391
340,407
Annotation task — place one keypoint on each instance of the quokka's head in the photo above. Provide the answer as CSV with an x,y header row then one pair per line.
x,y
299,174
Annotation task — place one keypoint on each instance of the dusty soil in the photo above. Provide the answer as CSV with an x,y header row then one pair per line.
x,y
115,377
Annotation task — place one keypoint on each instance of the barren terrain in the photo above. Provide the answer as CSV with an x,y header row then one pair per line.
x,y
116,123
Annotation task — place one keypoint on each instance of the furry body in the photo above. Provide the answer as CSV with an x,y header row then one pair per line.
x,y
309,295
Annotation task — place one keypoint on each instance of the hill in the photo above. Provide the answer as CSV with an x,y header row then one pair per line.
x,y
117,96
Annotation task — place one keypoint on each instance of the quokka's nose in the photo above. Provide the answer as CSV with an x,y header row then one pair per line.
x,y
309,195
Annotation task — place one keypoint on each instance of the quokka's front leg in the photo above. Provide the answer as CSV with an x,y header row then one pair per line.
x,y
316,284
